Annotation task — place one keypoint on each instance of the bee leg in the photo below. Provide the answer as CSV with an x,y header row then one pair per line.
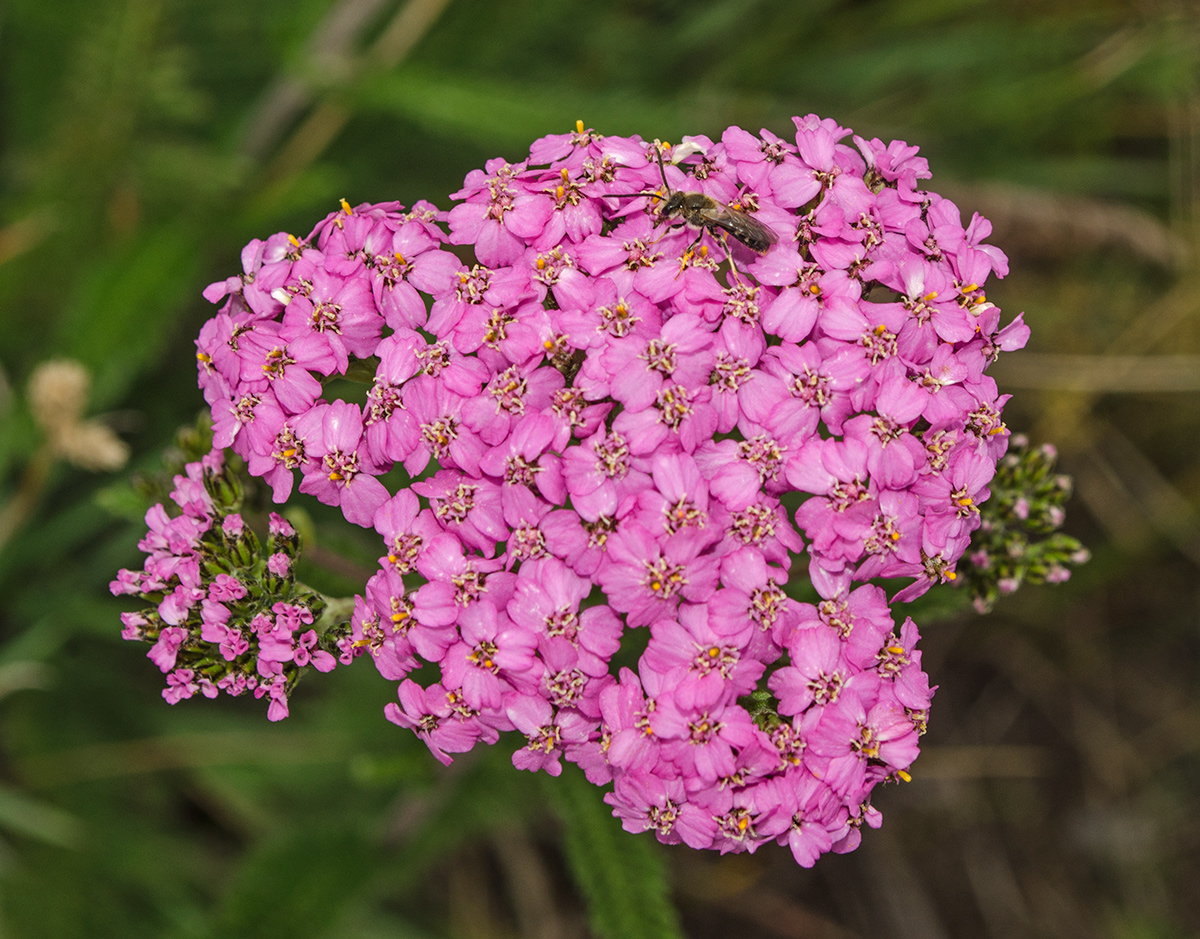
x,y
686,256
729,257
666,230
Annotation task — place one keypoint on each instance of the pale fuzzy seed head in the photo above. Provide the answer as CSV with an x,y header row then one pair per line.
x,y
58,391
91,445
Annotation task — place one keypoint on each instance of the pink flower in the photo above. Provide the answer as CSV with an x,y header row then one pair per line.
x,y
547,730
701,742
431,713
704,667
337,473
466,506
180,685
338,313
167,648
647,578
306,652
493,656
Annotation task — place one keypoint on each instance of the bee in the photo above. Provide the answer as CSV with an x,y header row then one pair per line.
x,y
703,213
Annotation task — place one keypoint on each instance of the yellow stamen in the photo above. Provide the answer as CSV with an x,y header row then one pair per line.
x,y
204,357
399,258
895,536
896,650
558,192
399,617
541,264
548,345
294,241
656,585
903,775
880,329
950,575
289,452
932,295
335,476
713,652
346,207
578,130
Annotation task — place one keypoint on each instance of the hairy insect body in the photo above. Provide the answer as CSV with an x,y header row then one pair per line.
x,y
701,212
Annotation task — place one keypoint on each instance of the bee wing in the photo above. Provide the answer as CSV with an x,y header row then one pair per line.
x,y
745,228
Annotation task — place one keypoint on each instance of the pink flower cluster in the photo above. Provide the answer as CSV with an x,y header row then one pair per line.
x,y
602,412
226,615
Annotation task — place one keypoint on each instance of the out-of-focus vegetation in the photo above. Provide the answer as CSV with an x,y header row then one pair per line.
x,y
144,141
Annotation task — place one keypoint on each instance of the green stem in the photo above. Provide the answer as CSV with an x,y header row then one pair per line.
x,y
337,610
23,502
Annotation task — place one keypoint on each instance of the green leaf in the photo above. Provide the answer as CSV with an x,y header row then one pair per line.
x,y
621,875
298,884
511,115
479,795
119,320
23,815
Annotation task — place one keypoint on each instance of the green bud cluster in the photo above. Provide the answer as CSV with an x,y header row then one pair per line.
x,y
1018,540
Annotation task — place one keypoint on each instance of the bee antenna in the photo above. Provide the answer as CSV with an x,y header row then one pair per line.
x,y
658,145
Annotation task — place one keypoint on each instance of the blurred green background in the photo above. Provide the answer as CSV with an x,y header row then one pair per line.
x,y
143,142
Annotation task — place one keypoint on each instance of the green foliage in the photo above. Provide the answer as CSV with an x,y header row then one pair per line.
x,y
309,895
622,877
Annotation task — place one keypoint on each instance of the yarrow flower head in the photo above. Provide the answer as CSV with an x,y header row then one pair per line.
x,y
651,347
